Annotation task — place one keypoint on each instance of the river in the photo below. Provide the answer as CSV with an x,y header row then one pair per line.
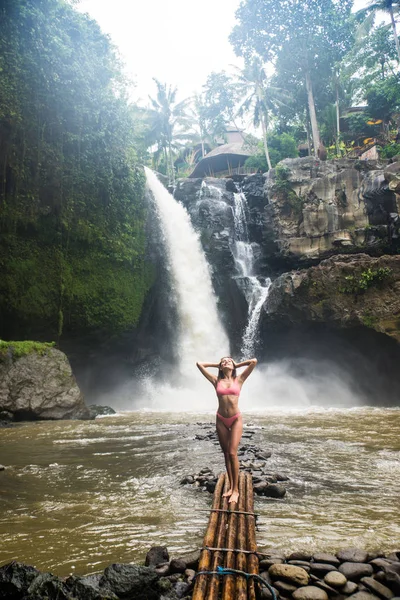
x,y
79,495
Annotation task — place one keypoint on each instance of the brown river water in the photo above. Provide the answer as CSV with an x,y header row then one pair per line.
x,y
79,495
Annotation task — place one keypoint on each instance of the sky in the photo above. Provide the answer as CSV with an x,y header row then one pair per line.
x,y
180,42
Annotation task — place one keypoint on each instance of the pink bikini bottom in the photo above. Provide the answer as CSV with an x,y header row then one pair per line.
x,y
228,421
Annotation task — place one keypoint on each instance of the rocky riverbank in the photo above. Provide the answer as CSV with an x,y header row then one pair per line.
x,y
351,573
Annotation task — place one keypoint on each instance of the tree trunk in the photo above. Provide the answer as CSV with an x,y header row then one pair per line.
x,y
313,114
396,39
337,122
265,141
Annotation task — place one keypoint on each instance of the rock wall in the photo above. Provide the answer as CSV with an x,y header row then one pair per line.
x,y
39,386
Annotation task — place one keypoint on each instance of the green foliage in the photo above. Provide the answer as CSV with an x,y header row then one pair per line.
x,y
389,150
282,173
280,146
17,350
384,98
355,284
72,209
258,161
369,320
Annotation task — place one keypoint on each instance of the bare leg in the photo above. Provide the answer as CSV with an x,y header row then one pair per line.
x,y
235,437
224,435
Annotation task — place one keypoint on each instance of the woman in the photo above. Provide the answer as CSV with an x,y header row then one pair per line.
x,y
229,419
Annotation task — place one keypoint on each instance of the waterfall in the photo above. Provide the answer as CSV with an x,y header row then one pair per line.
x,y
200,335
255,288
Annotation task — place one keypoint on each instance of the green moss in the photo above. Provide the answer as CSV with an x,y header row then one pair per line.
x,y
19,349
369,320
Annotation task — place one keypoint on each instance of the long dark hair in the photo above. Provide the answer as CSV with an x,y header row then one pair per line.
x,y
221,373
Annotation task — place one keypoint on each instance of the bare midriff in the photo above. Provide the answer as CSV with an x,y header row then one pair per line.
x,y
228,406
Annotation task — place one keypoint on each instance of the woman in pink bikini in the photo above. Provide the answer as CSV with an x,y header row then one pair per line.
x,y
229,418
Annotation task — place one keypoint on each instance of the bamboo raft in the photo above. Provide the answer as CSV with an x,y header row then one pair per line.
x,y
229,542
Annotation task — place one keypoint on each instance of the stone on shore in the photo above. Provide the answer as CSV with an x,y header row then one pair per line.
x,y
310,592
335,579
352,555
290,573
377,588
354,571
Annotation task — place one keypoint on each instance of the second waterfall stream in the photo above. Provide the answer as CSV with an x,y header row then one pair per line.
x,y
200,334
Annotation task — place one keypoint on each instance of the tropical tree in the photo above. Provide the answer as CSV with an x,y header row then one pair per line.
x,y
305,39
388,6
258,97
167,117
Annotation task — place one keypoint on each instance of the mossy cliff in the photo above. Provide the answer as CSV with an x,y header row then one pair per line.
x,y
72,214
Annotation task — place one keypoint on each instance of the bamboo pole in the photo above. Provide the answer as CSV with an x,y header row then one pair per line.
x,y
252,560
241,582
200,587
228,590
218,558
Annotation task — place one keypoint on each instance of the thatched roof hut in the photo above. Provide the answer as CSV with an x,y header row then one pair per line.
x,y
223,158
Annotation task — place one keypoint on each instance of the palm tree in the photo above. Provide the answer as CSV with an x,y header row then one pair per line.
x,y
258,97
388,6
167,117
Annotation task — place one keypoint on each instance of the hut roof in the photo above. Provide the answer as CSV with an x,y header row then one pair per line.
x,y
221,159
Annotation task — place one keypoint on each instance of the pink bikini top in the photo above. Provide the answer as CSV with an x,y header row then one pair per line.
x,y
230,391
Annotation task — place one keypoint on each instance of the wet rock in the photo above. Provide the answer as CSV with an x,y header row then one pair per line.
x,y
265,593
324,557
310,592
275,491
96,410
191,559
363,596
190,575
349,588
335,579
290,573
300,563
352,555
377,588
48,586
85,587
181,589
2,467
285,588
380,563
300,556
210,486
321,569
354,571
156,555
15,578
162,569
177,565
266,563
324,586
395,556
130,581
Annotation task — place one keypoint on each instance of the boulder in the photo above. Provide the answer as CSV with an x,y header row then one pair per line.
x,y
156,555
15,578
324,557
295,575
40,385
130,582
321,569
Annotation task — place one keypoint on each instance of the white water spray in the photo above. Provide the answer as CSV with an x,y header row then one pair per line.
x,y
200,335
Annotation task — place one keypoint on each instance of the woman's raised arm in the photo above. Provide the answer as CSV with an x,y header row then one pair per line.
x,y
250,364
203,369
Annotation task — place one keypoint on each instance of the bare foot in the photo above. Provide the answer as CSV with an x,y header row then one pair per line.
x,y
234,497
227,494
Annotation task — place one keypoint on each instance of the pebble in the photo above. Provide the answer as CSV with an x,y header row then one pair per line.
x,y
335,579
310,592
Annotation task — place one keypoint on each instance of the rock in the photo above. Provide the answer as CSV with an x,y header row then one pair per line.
x,y
162,569
352,555
48,586
306,556
300,563
335,579
323,557
333,293
266,563
181,589
130,581
15,578
354,571
177,565
190,575
6,416
260,488
97,411
290,573
85,587
321,569
286,589
349,588
380,563
2,468
395,556
363,596
265,593
156,555
377,588
310,592
210,486
40,386
271,490
191,559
